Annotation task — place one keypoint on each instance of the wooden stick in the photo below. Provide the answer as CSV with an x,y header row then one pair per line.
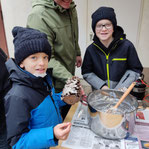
x,y
125,94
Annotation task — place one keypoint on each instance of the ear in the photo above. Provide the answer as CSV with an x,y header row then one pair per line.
x,y
21,65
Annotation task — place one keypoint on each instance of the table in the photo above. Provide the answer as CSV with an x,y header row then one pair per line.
x,y
67,119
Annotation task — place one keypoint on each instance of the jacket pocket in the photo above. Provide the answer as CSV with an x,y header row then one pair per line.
x,y
119,59
118,68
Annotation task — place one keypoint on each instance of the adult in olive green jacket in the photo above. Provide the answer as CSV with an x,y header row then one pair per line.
x,y
58,19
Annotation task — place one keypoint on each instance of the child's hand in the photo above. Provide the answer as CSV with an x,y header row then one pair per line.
x,y
105,87
123,89
61,131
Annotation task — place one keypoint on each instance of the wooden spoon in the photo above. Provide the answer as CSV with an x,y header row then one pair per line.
x,y
122,98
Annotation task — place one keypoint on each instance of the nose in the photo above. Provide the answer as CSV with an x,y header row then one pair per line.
x,y
104,27
41,61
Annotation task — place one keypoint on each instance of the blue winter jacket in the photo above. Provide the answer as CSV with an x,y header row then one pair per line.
x,y
116,66
32,110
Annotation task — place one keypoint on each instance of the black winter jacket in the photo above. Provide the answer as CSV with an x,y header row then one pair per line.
x,y
32,109
116,66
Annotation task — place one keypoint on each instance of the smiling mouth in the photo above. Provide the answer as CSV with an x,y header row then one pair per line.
x,y
40,70
66,1
104,33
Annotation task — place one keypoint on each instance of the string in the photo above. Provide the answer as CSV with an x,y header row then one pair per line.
x,y
144,83
147,94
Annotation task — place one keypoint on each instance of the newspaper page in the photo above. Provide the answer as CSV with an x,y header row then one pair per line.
x,y
144,142
140,137
130,143
142,133
142,116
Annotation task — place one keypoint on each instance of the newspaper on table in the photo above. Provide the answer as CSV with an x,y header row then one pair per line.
x,y
130,143
142,128
142,116
81,136
142,133
140,136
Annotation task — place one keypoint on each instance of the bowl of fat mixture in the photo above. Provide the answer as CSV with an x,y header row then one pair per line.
x,y
116,124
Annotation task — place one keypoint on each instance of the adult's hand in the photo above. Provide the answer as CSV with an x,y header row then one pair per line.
x,y
61,131
78,61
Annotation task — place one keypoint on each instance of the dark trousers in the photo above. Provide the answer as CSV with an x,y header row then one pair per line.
x,y
64,110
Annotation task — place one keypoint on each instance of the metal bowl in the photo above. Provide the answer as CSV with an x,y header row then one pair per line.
x,y
117,124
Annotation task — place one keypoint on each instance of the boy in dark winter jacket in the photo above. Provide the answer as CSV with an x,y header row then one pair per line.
x,y
4,87
32,106
111,61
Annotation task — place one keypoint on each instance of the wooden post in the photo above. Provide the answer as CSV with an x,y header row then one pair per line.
x,y
3,43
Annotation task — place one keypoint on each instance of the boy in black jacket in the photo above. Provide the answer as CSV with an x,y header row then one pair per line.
x,y
111,61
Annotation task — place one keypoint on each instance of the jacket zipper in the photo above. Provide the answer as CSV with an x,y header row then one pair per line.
x,y
55,106
107,63
49,85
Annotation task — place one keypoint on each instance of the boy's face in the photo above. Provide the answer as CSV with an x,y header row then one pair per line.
x,y
104,30
36,63
64,3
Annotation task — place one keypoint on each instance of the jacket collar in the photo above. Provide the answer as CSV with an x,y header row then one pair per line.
x,y
22,77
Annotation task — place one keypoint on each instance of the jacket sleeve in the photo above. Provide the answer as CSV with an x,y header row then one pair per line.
x,y
18,133
57,98
36,138
129,77
88,74
77,34
134,68
59,71
94,80
133,61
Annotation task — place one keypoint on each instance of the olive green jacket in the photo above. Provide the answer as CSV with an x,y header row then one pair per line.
x,y
61,27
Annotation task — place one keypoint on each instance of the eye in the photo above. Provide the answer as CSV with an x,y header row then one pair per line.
x,y
99,26
33,57
108,25
46,57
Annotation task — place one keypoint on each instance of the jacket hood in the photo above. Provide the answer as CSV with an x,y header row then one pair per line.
x,y
21,77
119,33
51,4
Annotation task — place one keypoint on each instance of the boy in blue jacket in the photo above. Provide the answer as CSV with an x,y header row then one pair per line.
x,y
32,107
111,61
